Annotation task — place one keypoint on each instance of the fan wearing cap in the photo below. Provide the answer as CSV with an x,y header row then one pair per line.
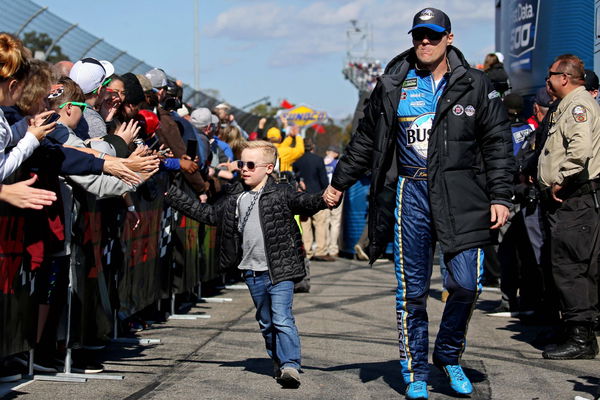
x,y
223,111
90,74
168,133
437,140
289,149
206,123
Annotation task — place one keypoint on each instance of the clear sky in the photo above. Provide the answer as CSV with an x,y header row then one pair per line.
x,y
293,49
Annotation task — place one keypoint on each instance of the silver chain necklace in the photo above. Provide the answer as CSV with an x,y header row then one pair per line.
x,y
242,225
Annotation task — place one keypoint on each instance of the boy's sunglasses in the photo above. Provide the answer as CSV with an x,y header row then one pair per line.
x,y
250,164
434,36
83,106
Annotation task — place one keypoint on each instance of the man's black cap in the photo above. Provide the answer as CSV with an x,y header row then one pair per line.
x,y
513,102
431,18
542,98
591,80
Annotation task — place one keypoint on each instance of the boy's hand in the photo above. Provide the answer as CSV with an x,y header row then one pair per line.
x,y
332,196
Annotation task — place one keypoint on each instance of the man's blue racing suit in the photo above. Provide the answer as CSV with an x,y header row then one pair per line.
x,y
414,240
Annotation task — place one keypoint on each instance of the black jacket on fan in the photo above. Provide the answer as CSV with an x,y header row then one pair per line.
x,y
277,204
470,160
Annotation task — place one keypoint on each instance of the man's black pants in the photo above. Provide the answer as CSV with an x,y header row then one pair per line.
x,y
575,247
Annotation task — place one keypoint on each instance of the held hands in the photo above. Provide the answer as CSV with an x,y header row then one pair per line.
x,y
332,196
500,215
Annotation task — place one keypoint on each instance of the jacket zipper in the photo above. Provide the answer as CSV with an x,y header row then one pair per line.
x,y
262,228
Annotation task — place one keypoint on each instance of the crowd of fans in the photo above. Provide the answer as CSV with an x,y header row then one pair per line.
x,y
80,126
363,75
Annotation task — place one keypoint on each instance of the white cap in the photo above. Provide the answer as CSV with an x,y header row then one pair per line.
x,y
500,56
89,74
201,117
108,67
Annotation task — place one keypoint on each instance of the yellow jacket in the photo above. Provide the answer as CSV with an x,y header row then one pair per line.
x,y
287,154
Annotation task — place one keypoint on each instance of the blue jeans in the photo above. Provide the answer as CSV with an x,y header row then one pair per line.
x,y
274,315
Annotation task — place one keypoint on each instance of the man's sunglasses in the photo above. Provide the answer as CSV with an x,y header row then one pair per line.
x,y
552,73
83,106
250,164
421,34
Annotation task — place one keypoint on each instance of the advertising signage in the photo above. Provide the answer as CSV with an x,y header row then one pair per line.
x,y
523,30
532,33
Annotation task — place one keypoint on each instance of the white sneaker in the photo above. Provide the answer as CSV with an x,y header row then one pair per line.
x,y
289,378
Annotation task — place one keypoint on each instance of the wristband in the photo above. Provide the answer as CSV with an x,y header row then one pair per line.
x,y
131,208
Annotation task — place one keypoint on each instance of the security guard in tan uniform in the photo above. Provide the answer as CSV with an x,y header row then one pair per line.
x,y
568,172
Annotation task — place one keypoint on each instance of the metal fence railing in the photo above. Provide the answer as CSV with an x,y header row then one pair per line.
x,y
23,16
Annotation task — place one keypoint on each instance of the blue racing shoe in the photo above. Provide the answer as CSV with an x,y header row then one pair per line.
x,y
458,380
417,390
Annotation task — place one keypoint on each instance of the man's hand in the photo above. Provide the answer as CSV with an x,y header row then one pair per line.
x,y
261,123
165,151
554,190
22,195
128,131
118,169
332,196
37,127
187,164
203,198
284,122
139,162
500,215
147,175
109,107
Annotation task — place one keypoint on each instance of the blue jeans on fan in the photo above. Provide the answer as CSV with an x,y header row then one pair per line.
x,y
274,315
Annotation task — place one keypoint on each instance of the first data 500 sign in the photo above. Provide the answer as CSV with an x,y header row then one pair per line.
x,y
523,27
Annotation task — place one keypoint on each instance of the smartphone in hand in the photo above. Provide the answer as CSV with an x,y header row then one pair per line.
x,y
51,118
192,148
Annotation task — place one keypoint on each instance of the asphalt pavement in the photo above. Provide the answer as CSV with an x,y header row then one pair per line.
x,y
347,325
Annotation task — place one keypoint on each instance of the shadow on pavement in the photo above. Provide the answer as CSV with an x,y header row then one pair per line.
x,y
591,385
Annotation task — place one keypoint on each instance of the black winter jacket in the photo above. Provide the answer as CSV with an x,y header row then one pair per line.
x,y
278,204
470,161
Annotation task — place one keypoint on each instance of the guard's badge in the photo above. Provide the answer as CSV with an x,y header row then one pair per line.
x,y
579,114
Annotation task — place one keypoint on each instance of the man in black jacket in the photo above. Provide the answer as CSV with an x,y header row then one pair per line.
x,y
310,169
437,139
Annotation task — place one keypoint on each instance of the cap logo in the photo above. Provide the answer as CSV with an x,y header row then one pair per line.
x,y
56,90
426,15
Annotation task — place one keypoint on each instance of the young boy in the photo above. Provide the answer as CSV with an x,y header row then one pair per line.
x,y
258,234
